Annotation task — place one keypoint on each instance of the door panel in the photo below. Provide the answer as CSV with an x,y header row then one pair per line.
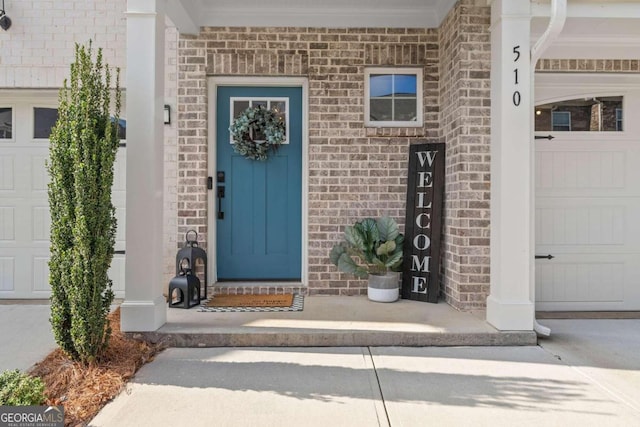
x,y
587,210
24,209
259,237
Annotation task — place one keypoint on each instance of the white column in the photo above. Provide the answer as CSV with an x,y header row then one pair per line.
x,y
144,308
509,306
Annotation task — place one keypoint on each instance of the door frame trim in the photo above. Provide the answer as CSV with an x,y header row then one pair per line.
x,y
213,82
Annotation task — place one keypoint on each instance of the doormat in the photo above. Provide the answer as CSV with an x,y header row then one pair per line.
x,y
253,303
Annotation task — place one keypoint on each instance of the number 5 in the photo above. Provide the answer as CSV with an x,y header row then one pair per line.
x,y
517,52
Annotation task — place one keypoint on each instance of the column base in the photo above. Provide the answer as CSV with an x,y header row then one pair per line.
x,y
510,316
143,316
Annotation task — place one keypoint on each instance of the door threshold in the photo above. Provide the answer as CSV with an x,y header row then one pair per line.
x,y
258,287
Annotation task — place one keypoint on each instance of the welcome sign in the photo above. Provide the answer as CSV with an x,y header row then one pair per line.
x,y
423,225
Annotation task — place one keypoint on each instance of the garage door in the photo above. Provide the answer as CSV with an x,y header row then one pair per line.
x,y
25,123
587,209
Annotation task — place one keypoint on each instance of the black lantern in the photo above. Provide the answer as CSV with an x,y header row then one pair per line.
x,y
192,252
184,289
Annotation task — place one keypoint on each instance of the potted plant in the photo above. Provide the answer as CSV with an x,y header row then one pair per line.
x,y
378,246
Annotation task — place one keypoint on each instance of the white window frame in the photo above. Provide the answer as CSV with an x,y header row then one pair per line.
x,y
553,125
419,122
268,99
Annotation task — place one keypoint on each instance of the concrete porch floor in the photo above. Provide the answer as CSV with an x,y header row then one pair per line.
x,y
335,321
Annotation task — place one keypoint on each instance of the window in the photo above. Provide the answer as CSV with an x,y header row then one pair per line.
x,y
6,123
584,114
619,119
393,97
280,106
43,120
122,127
561,120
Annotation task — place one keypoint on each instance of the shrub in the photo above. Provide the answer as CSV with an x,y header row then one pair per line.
x,y
83,146
20,389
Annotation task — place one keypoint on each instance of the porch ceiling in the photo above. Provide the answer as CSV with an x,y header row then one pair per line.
x,y
594,29
190,15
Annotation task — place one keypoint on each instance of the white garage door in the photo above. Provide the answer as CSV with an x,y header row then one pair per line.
x,y
587,210
24,211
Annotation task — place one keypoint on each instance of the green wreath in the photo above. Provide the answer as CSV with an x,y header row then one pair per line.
x,y
257,121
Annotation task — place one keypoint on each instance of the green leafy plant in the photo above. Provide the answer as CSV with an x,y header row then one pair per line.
x,y
83,148
20,389
377,243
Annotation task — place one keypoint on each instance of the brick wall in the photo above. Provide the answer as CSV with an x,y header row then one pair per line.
x,y
465,58
39,46
354,171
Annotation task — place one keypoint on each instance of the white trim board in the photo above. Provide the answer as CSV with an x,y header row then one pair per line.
x,y
213,83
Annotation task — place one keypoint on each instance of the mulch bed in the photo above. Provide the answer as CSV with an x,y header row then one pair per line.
x,y
84,390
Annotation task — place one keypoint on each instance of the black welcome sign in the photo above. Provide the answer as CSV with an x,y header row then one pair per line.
x,y
425,188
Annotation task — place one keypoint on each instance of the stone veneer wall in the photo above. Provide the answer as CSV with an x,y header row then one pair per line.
x,y
465,99
354,171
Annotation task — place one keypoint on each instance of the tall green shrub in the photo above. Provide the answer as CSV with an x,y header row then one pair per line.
x,y
83,146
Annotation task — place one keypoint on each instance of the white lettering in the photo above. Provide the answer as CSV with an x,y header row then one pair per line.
x,y
426,242
417,265
425,179
419,220
421,201
429,156
419,285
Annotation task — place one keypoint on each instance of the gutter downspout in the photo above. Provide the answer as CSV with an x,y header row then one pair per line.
x,y
556,24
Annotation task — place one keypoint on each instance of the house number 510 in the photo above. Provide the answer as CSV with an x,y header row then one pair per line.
x,y
516,98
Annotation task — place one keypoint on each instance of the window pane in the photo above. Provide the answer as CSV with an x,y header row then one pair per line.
x,y
380,110
590,114
404,85
280,108
239,107
561,118
405,110
259,104
43,120
122,129
561,121
619,119
6,123
380,85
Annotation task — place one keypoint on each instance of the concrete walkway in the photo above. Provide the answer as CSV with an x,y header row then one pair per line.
x,y
587,374
26,335
331,321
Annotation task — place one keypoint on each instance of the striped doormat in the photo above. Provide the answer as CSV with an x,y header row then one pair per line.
x,y
253,303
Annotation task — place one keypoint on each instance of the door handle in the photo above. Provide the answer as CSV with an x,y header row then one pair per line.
x,y
220,194
545,256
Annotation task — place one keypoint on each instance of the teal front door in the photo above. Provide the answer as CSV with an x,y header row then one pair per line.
x,y
259,218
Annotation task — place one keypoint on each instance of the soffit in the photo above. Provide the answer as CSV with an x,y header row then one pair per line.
x,y
190,15
594,29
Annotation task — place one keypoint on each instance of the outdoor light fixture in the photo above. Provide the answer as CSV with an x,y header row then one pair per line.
x,y
5,22
167,115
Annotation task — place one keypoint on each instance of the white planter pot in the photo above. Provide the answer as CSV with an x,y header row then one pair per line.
x,y
384,288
